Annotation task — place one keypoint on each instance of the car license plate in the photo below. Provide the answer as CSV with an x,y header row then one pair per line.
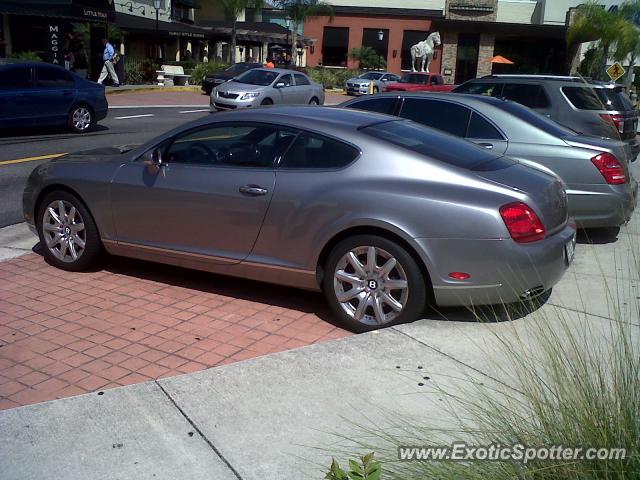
x,y
570,250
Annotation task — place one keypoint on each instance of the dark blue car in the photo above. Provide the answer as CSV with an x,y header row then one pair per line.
x,y
34,94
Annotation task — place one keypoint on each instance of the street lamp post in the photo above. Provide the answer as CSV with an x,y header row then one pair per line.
x,y
156,5
300,52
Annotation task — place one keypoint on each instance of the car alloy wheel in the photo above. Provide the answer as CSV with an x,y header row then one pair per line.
x,y
81,119
370,285
64,231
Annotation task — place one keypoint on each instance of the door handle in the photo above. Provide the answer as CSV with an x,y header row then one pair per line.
x,y
488,146
253,190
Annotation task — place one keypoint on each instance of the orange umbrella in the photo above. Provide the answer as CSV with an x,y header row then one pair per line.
x,y
501,59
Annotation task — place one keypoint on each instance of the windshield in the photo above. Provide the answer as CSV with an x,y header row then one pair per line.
x,y
258,77
429,142
371,76
536,119
414,78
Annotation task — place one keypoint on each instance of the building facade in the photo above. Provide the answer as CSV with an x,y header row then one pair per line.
x,y
531,33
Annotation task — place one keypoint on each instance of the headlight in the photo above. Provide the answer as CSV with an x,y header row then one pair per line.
x,y
249,95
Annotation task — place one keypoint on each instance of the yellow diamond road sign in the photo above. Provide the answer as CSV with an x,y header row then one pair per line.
x,y
615,71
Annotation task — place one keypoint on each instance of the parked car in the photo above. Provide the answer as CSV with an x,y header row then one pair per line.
x,y
209,82
267,86
381,214
360,85
598,109
41,94
602,191
420,82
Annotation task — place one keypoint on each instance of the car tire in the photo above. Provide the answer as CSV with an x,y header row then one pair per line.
x,y
81,119
314,101
72,229
266,101
375,90
358,313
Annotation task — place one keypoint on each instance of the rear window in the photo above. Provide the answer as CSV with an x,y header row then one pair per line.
x,y
536,119
445,148
480,88
587,98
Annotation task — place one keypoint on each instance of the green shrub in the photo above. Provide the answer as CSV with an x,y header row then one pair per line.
x,y
27,55
368,58
331,77
203,69
140,70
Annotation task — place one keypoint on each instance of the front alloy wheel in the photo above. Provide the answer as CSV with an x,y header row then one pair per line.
x,y
372,282
67,231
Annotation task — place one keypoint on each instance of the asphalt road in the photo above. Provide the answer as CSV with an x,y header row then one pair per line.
x,y
19,150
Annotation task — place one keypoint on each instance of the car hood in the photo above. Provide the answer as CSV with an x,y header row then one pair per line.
x,y
236,87
97,154
360,81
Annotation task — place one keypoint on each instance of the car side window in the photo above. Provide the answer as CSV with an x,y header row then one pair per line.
x,y
480,128
310,151
53,78
480,88
14,78
286,79
226,145
529,95
301,79
379,105
441,115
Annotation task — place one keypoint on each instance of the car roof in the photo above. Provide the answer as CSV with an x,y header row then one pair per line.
x,y
461,97
279,70
17,61
302,116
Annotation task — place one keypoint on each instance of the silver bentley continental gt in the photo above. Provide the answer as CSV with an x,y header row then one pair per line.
x,y
381,214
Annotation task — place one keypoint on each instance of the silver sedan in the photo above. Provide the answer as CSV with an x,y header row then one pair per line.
x,y
361,85
383,215
602,190
266,86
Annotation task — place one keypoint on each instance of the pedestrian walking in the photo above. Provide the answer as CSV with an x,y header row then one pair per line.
x,y
108,57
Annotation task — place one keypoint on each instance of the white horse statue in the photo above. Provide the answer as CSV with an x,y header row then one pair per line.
x,y
425,51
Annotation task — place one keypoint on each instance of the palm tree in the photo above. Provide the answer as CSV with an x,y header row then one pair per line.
x,y
300,10
628,46
232,9
594,23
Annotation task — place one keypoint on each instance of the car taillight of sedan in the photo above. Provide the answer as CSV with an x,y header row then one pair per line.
x,y
610,168
522,222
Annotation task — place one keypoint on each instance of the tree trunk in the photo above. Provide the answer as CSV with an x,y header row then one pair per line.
x,y
605,58
232,45
293,39
632,62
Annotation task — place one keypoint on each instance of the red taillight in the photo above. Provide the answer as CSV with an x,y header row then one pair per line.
x,y
460,275
615,120
610,168
522,222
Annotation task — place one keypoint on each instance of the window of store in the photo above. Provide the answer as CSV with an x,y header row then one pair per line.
x,y
371,38
335,46
410,38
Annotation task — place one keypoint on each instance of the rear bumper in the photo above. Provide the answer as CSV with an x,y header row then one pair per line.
x,y
502,271
596,206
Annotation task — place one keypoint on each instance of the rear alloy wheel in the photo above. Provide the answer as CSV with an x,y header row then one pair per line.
x,y
68,234
81,119
371,282
314,101
375,90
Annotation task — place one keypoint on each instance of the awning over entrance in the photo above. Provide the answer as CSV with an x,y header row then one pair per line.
x,y
81,10
252,32
136,24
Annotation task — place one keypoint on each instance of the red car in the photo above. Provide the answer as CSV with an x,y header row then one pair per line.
x,y
420,82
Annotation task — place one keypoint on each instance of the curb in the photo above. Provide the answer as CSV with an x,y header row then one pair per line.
x,y
151,89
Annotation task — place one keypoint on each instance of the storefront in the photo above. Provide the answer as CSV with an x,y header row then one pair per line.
x,y
55,30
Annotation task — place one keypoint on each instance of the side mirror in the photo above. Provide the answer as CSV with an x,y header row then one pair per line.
x,y
385,79
153,160
279,85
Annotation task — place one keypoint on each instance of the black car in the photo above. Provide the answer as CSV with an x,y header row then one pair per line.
x,y
588,107
37,94
211,81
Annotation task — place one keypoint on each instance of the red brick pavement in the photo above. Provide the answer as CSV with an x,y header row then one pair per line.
x,y
63,334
